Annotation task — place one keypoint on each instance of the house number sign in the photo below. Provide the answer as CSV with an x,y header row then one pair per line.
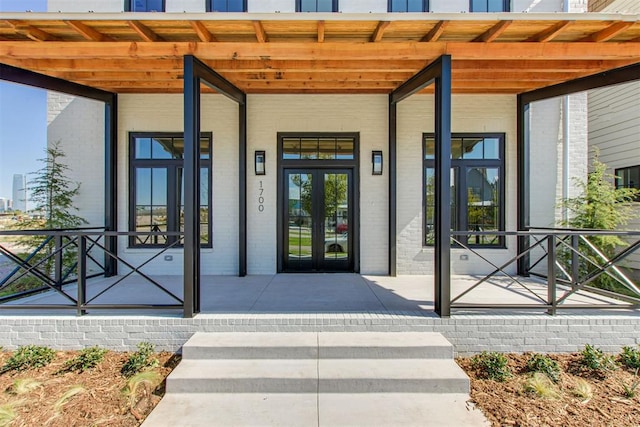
x,y
261,198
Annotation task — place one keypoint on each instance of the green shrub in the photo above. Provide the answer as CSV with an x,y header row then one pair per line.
x,y
545,365
630,357
595,360
30,356
87,358
493,365
139,360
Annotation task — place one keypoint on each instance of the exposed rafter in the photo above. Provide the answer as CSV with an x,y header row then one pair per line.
x,y
30,31
144,32
261,34
493,33
436,32
608,33
550,33
203,33
379,32
320,31
87,32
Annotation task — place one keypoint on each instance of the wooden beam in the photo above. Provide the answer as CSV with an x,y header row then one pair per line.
x,y
608,33
379,32
144,32
636,40
87,32
436,32
261,34
550,33
203,33
324,51
493,33
320,31
30,31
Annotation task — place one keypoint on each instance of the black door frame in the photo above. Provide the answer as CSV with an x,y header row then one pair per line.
x,y
353,165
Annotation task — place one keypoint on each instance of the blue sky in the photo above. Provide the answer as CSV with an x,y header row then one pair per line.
x,y
23,117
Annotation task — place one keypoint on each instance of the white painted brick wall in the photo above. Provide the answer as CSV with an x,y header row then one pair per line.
x,y
78,124
270,114
164,113
469,114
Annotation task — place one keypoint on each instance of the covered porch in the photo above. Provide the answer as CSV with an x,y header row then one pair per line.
x,y
533,57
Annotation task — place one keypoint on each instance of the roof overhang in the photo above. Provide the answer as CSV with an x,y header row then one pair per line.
x,y
319,53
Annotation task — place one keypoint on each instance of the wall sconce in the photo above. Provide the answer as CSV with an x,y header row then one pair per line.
x,y
260,161
376,159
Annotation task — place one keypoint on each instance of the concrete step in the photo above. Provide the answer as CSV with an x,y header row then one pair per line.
x,y
324,345
311,409
313,376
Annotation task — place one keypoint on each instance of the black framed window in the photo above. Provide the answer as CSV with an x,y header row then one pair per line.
x,y
489,6
144,5
477,187
226,5
408,6
156,190
316,5
628,177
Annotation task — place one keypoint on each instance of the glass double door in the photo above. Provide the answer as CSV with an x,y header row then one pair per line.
x,y
318,213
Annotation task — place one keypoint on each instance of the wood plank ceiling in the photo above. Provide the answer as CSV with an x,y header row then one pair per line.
x,y
139,53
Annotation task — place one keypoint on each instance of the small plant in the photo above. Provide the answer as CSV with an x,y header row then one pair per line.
x,y
146,379
595,360
630,357
629,390
87,358
544,364
66,396
493,365
27,357
583,390
7,414
24,386
139,360
542,386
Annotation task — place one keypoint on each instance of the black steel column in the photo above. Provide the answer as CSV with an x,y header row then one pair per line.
x,y
111,184
442,273
242,193
393,195
191,189
523,209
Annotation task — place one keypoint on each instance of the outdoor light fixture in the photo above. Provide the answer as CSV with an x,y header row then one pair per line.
x,y
376,159
260,160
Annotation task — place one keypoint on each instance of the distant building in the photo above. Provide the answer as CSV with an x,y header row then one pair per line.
x,y
4,204
19,192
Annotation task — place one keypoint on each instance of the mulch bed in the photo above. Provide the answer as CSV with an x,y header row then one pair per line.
x,y
101,402
508,404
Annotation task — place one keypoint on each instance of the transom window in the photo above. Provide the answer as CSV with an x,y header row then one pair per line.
x,y
316,5
489,6
477,187
226,5
408,6
144,5
323,148
156,191
628,178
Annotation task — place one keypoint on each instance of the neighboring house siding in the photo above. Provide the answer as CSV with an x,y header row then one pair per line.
x,y
78,124
623,6
265,6
536,6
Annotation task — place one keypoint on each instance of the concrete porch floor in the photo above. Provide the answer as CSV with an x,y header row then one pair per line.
x,y
310,293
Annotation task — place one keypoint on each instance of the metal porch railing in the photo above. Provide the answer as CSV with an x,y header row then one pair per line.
x,y
63,261
569,262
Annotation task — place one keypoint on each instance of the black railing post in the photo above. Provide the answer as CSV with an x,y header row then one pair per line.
x,y
58,259
551,274
82,274
575,260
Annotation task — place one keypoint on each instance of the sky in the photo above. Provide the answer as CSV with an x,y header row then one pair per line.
x,y
23,118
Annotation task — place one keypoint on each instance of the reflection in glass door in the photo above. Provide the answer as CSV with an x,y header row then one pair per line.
x,y
318,213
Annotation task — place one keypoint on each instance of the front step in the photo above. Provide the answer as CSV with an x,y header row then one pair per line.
x,y
312,376
323,345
